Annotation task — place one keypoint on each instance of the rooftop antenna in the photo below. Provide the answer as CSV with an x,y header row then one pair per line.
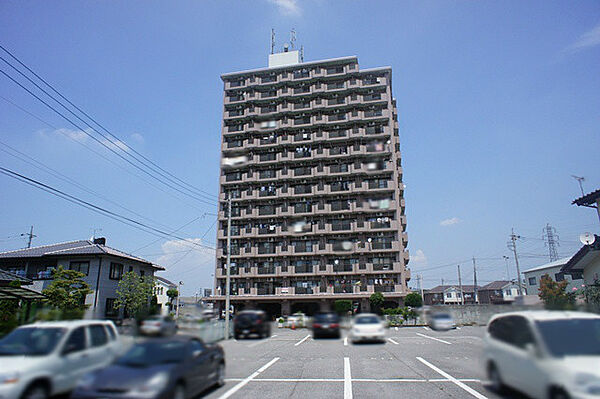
x,y
272,40
302,53
94,231
293,38
580,180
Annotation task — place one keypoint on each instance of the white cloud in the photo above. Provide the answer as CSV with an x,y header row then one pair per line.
x,y
77,135
450,222
193,267
419,257
287,7
115,144
138,138
588,39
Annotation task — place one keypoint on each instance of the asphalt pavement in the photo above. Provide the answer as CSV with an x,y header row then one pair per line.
x,y
415,362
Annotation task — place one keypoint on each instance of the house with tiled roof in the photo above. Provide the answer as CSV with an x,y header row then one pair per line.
x,y
101,265
499,292
450,295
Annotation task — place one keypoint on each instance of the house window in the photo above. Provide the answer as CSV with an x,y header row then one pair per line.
x,y
111,309
116,271
142,273
559,277
83,267
532,281
448,295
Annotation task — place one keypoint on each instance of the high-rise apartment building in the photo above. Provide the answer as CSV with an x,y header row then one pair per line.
x,y
311,161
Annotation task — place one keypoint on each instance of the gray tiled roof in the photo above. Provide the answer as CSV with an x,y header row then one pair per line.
x,y
442,288
8,277
165,281
81,247
495,285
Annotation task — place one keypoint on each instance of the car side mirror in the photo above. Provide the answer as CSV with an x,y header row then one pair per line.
x,y
196,354
532,350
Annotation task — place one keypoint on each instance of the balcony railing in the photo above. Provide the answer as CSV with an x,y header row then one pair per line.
x,y
384,288
304,290
265,291
303,269
342,268
266,270
343,289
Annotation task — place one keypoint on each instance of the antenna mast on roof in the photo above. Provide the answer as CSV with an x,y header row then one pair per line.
x,y
272,40
302,53
293,38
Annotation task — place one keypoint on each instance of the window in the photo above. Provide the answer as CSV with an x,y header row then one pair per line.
x,y
448,295
83,267
111,332
116,271
532,281
97,335
76,341
196,346
110,309
559,277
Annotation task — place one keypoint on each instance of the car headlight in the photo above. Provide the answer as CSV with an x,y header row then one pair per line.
x,y
9,378
86,381
589,383
155,384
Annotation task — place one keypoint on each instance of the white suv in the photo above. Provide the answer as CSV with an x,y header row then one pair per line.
x,y
47,358
545,354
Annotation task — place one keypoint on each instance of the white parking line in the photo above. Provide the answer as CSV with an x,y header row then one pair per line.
x,y
345,341
388,380
435,339
302,340
393,342
347,379
454,380
427,328
458,328
273,336
247,379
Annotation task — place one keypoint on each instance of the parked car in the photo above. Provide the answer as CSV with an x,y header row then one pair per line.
x,y
297,320
544,354
367,327
48,358
441,321
158,325
176,367
249,322
326,324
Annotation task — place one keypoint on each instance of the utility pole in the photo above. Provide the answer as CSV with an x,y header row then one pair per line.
x,y
228,280
580,180
512,244
442,282
178,296
475,281
30,235
506,258
462,294
419,278
551,240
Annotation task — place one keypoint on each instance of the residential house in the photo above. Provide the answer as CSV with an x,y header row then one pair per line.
x,y
553,270
449,295
101,265
498,292
160,290
585,264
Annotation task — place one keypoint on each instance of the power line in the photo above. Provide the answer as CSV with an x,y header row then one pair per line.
x,y
201,192
95,208
118,145
102,155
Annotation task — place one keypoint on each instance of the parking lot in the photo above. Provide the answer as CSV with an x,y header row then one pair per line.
x,y
415,362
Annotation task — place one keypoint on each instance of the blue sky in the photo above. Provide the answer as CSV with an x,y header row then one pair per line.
x,y
498,105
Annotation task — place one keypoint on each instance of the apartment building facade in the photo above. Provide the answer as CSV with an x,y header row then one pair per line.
x,y
311,161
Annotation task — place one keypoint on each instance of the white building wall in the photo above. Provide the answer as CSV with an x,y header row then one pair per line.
x,y
533,289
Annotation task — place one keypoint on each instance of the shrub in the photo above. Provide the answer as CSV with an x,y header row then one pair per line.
x,y
376,300
413,300
554,294
342,306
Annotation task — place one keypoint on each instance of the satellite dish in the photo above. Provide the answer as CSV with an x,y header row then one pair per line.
x,y
587,238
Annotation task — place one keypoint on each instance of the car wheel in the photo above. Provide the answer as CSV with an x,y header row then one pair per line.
x,y
179,392
36,391
495,378
220,375
558,393
236,336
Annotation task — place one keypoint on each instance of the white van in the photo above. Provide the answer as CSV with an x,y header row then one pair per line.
x,y
47,358
545,354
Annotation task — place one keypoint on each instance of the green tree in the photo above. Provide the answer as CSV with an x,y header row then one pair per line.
x,y
9,312
409,314
67,292
376,300
554,294
591,295
172,293
413,300
342,306
134,294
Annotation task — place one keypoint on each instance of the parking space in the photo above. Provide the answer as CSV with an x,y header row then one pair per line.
x,y
414,362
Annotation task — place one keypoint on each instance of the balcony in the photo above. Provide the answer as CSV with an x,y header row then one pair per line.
x,y
342,268
336,117
378,267
266,270
343,289
303,269
384,288
304,290
301,89
265,291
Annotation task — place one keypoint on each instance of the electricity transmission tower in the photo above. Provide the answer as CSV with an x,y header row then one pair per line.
x,y
551,240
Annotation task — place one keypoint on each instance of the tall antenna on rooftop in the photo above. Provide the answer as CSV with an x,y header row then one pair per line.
x,y
272,40
551,240
293,38
302,53
580,180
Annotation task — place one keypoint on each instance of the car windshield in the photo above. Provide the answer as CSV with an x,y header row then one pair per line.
x,y
248,317
367,320
151,353
571,337
442,317
330,317
31,341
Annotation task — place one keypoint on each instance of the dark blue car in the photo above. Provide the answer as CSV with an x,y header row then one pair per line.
x,y
176,367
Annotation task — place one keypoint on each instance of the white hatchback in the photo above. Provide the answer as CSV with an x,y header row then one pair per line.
x,y
43,359
367,327
545,354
